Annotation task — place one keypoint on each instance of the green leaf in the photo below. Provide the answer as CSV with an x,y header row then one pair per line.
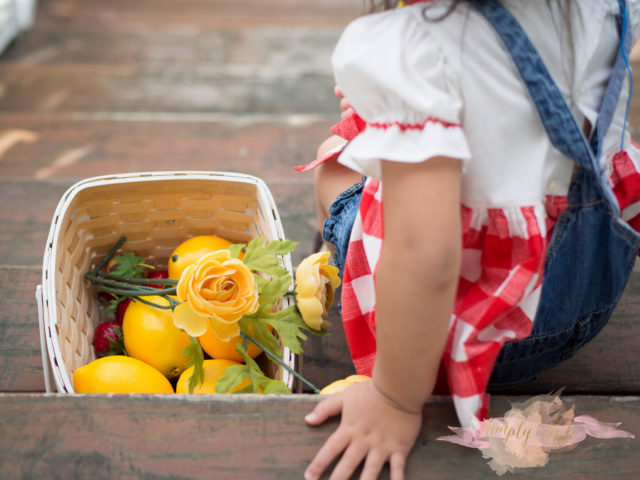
x,y
113,304
116,346
289,325
262,257
129,265
196,359
235,249
234,376
272,290
257,328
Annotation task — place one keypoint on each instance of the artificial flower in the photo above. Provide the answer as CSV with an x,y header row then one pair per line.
x,y
217,289
316,283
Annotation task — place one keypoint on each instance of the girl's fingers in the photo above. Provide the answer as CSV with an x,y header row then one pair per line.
x,y
344,104
397,463
347,113
351,458
325,409
372,466
333,447
338,91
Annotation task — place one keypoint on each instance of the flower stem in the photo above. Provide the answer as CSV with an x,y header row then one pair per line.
x,y
151,304
110,254
126,286
278,360
139,281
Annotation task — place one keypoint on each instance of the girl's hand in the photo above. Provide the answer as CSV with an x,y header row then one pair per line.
x,y
371,429
345,106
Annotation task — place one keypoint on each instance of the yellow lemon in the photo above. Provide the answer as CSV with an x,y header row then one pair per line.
x,y
150,335
119,374
340,385
191,250
213,370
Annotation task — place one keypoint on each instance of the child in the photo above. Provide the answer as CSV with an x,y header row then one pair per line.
x,y
447,261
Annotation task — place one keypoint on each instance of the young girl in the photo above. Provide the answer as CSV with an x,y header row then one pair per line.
x,y
443,244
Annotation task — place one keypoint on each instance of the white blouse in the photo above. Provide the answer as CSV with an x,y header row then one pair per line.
x,y
399,70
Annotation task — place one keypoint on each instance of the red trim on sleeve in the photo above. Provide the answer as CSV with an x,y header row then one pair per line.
x,y
413,126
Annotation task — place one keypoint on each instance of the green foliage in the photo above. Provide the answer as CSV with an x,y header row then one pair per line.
x,y
258,381
261,257
196,359
235,249
129,265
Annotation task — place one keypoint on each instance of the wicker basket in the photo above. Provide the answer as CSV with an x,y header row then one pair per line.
x,y
156,211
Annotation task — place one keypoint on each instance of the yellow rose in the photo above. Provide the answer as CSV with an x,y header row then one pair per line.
x,y
316,282
217,289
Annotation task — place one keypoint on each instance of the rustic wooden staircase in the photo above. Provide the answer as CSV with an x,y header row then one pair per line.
x,y
100,87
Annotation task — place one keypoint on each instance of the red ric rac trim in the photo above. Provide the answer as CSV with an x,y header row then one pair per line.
x,y
413,126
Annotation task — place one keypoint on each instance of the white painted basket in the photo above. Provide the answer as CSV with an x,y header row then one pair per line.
x,y
155,211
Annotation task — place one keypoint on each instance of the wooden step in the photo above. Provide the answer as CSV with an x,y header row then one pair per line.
x,y
602,366
50,146
261,437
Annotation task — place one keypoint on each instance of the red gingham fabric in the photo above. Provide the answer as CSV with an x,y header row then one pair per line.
x,y
499,286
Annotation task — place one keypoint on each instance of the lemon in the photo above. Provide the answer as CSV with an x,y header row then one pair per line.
x,y
191,250
119,374
213,370
340,385
150,336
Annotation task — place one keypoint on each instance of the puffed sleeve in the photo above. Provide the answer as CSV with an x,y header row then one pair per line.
x,y
395,75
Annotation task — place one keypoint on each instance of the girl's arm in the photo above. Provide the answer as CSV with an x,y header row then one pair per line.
x,y
416,283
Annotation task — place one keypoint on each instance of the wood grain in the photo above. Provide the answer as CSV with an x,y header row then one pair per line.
x,y
267,148
604,366
20,357
248,437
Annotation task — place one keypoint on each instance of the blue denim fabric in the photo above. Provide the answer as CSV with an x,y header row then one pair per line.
x,y
337,228
592,251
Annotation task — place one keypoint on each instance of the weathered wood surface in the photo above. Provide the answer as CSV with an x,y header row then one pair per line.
x,y
606,365
111,87
52,147
247,437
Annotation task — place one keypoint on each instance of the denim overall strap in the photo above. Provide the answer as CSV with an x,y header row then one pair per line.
x,y
554,113
592,251
612,93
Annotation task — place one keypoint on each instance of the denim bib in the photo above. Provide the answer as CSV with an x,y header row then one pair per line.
x,y
592,251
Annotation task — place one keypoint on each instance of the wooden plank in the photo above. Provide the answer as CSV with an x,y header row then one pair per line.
x,y
123,89
20,357
43,147
214,66
253,51
237,14
254,437
605,365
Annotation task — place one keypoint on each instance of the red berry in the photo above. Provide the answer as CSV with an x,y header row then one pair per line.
x,y
101,343
122,307
157,273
